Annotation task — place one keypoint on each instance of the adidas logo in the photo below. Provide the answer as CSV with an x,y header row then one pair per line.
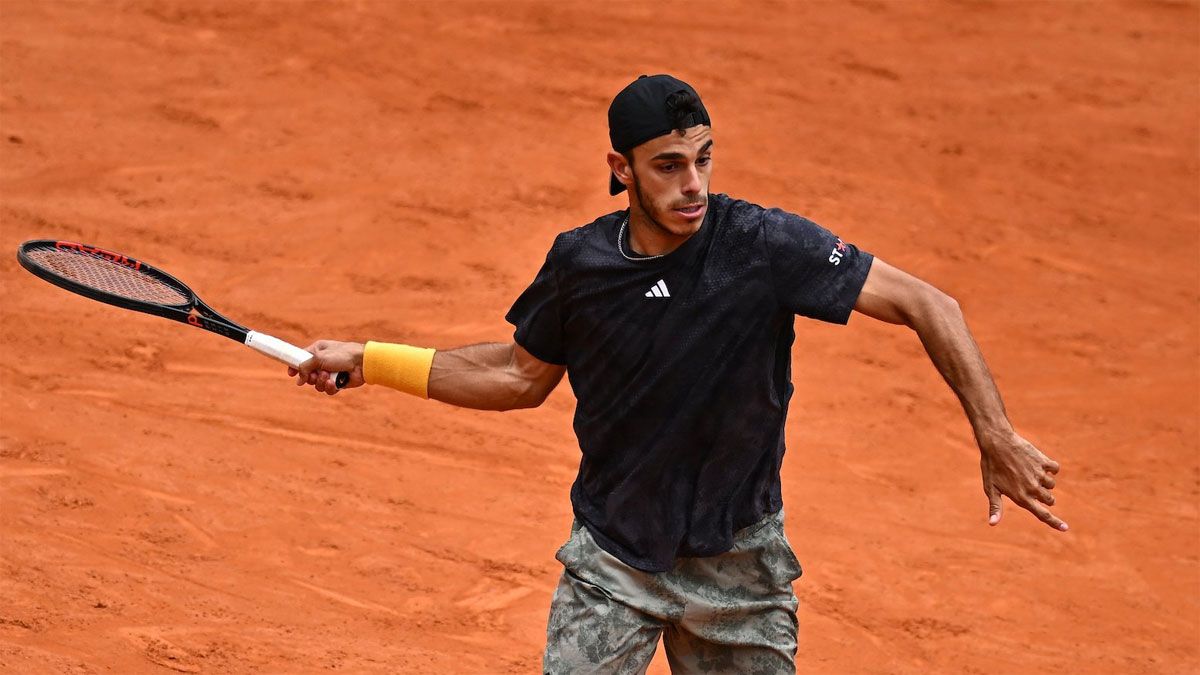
x,y
658,290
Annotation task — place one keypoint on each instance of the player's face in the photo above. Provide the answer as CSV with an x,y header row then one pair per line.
x,y
670,175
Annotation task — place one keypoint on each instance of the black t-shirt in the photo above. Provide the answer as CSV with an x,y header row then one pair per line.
x,y
681,365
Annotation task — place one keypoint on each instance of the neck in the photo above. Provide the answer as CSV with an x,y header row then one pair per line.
x,y
648,237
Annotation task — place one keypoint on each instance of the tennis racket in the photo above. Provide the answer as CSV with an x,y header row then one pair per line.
x,y
125,282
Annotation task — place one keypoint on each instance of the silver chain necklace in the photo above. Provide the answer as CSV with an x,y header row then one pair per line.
x,y
621,244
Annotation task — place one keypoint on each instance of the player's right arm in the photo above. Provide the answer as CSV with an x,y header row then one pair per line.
x,y
491,376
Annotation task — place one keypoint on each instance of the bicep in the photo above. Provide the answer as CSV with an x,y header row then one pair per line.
x,y
890,294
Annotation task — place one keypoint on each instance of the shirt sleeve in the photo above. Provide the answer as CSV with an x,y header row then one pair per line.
x,y
815,273
537,315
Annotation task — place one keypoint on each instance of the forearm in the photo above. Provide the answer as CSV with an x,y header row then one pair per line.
x,y
483,377
1011,465
939,322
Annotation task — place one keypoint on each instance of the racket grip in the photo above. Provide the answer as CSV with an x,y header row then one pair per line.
x,y
286,352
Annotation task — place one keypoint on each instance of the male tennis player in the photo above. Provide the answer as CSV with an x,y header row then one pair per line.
x,y
673,320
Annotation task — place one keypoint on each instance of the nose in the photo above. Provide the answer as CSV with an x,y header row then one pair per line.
x,y
692,185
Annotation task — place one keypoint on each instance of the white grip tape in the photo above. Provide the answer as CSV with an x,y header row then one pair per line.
x,y
277,349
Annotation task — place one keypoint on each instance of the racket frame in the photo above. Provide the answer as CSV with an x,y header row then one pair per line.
x,y
194,312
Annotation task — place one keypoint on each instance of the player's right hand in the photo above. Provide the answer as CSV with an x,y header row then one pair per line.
x,y
329,358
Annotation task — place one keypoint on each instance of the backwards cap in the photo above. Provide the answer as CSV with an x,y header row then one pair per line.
x,y
639,114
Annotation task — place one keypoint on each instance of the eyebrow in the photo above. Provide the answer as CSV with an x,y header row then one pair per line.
x,y
679,155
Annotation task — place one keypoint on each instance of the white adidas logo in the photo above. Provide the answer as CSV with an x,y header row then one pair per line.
x,y
658,290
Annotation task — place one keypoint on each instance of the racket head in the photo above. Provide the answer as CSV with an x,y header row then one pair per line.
x,y
105,276
117,279
122,281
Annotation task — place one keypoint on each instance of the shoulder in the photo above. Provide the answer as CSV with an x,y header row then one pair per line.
x,y
570,245
772,228
768,221
746,215
740,219
767,216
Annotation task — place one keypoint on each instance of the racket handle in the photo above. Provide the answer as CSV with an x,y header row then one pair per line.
x,y
285,352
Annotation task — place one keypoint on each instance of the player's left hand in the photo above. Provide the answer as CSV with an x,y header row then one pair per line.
x,y
1013,467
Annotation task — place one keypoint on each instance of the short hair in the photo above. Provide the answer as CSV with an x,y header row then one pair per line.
x,y
683,109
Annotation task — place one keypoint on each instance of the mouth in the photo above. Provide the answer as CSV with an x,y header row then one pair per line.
x,y
691,211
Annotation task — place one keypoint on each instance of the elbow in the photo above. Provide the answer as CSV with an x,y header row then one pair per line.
x,y
930,305
526,403
946,303
529,397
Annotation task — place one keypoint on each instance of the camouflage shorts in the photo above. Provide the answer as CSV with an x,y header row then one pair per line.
x,y
730,613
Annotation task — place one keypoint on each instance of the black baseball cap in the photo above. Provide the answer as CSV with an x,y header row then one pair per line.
x,y
639,114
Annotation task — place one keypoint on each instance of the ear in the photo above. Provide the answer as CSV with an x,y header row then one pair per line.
x,y
620,168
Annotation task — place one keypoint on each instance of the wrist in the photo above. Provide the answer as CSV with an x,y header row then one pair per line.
x,y
994,436
401,367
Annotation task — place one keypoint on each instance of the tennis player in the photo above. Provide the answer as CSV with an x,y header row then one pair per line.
x,y
673,320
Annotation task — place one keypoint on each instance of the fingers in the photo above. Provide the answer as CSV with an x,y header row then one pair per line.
x,y
1047,482
1046,517
1035,500
321,380
1043,495
995,504
307,368
326,382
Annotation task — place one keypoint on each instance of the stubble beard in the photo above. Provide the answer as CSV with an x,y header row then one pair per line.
x,y
637,190
646,210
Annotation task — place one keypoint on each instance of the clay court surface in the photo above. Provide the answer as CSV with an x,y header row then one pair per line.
x,y
170,501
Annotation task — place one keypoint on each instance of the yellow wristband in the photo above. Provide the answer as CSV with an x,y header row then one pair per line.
x,y
398,366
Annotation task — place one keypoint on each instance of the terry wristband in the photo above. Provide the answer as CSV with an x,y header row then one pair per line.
x,y
400,367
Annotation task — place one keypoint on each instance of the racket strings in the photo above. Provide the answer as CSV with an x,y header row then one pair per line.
x,y
98,272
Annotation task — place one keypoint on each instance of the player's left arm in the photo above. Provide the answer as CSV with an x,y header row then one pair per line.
x,y
1011,465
